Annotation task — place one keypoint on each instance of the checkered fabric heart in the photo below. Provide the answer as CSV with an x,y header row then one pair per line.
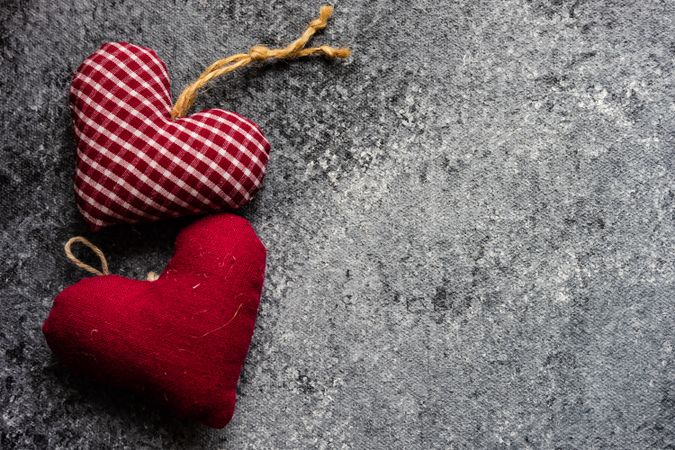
x,y
137,164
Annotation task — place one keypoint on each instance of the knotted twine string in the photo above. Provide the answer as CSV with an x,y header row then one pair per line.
x,y
260,53
152,276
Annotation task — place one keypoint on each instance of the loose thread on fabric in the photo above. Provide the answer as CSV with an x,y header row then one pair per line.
x,y
260,53
152,276
223,325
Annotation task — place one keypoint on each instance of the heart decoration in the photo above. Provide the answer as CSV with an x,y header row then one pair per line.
x,y
181,339
136,163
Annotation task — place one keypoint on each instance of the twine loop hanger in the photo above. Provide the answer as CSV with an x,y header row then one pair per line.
x,y
152,276
295,49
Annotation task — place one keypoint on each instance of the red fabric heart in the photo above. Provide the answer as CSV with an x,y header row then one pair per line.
x,y
135,163
181,339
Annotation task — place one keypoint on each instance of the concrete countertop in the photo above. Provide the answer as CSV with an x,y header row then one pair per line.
x,y
469,223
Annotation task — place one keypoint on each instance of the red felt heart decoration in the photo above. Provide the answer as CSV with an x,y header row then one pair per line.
x,y
135,163
181,339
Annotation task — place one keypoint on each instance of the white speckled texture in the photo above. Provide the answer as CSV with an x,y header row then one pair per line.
x,y
469,223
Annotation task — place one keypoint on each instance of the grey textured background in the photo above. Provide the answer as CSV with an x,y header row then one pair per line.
x,y
469,223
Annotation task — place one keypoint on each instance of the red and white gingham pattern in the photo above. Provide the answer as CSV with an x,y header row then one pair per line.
x,y
136,164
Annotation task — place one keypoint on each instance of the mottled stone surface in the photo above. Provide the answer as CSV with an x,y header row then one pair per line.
x,y
469,223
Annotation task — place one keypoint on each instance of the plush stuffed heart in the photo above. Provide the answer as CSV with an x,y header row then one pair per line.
x,y
135,163
181,339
